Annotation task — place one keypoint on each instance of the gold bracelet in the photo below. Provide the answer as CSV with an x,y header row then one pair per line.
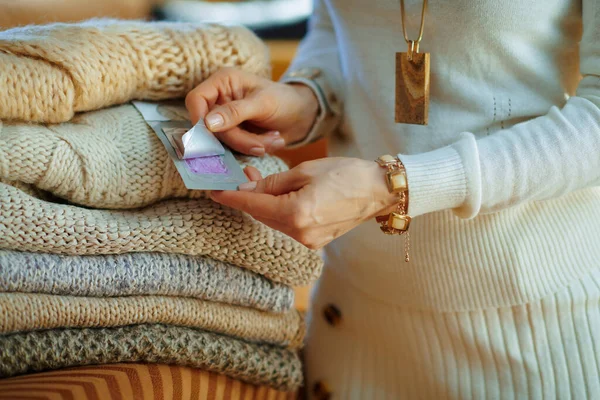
x,y
397,222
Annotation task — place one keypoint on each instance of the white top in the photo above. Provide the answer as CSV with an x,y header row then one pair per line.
x,y
504,179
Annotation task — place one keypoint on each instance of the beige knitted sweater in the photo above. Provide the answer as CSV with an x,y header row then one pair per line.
x,y
109,158
193,227
26,312
49,72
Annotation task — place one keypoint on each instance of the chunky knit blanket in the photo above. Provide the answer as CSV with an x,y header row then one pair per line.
x,y
141,274
26,311
193,227
104,159
277,367
50,72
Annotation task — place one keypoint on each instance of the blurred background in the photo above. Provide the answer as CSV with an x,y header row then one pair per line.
x,y
281,23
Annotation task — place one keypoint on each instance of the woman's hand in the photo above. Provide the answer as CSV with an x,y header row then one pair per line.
x,y
253,115
315,202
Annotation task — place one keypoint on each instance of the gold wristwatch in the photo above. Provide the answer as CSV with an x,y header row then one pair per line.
x,y
397,222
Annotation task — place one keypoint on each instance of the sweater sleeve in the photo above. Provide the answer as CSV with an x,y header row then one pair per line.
x,y
319,50
543,158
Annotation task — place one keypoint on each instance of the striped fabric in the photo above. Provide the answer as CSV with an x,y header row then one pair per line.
x,y
135,382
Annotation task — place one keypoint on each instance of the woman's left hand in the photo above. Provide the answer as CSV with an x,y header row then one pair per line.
x,y
315,202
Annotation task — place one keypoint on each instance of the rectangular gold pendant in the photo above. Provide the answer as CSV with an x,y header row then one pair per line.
x,y
412,88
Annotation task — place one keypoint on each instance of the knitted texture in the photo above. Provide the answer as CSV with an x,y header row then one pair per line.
x,y
60,348
50,72
105,159
25,312
141,274
193,227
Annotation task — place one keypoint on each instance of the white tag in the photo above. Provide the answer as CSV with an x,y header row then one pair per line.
x,y
149,111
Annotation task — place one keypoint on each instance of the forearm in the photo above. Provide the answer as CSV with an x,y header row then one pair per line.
x,y
540,159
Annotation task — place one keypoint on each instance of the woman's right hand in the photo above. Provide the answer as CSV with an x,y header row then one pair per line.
x,y
251,114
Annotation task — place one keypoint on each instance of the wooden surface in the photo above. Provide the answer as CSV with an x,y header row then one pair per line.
x,y
412,88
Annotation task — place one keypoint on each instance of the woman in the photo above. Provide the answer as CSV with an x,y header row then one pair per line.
x,y
501,295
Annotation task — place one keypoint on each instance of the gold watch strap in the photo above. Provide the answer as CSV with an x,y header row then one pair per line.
x,y
397,222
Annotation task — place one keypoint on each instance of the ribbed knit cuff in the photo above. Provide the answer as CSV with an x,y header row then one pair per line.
x,y
445,178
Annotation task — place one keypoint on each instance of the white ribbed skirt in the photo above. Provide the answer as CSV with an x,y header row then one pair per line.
x,y
547,349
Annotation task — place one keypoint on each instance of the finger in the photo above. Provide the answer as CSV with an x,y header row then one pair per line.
x,y
272,141
233,113
224,85
202,97
278,184
259,205
250,143
252,173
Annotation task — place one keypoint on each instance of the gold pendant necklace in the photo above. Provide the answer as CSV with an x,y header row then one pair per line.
x,y
412,78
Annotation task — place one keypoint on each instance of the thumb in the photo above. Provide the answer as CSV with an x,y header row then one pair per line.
x,y
230,115
277,184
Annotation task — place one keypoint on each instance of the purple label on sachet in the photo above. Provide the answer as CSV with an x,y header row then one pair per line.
x,y
207,165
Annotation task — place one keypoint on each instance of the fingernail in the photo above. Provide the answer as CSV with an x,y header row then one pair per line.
x,y
214,121
247,187
277,144
273,133
257,151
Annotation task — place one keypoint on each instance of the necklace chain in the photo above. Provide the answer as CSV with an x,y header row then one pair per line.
x,y
422,23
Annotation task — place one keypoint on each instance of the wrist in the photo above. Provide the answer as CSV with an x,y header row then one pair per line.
x,y
384,202
308,112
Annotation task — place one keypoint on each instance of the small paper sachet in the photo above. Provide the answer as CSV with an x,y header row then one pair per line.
x,y
201,160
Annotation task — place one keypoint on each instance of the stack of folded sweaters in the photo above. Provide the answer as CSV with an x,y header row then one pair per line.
x,y
106,256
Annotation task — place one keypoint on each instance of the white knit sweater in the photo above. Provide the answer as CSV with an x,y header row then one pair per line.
x,y
503,181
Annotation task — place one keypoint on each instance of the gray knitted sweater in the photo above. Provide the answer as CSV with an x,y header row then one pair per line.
x,y
22,353
141,274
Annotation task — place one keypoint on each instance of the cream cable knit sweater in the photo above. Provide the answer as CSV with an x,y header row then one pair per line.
x,y
109,158
50,72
